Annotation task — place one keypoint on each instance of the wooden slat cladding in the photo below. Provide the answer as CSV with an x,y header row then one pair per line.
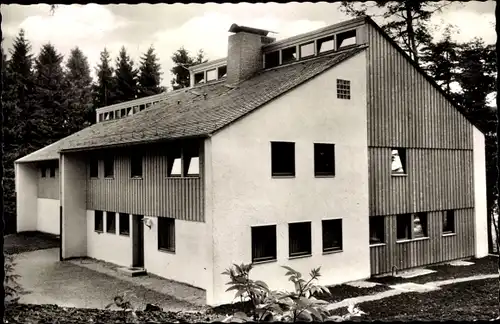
x,y
436,179
153,195
435,249
404,109
48,187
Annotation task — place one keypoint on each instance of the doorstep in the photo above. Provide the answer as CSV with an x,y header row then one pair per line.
x,y
132,271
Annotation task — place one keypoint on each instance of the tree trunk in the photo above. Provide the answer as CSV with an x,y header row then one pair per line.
x,y
411,32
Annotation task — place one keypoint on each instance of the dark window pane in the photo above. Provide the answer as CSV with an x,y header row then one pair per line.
x,y
52,171
272,59
288,55
94,168
222,71
449,221
199,78
263,243
111,222
299,238
282,158
136,166
377,230
332,235
343,89
420,225
324,159
98,221
124,224
166,234
44,172
403,223
108,167
346,39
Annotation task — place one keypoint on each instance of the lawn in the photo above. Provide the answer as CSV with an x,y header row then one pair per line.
x,y
29,241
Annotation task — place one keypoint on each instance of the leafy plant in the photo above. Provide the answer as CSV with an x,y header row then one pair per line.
x,y
123,302
12,288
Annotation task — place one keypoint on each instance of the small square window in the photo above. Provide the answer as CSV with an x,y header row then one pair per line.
x,y
346,39
324,159
299,238
325,44
136,166
332,235
52,171
44,172
343,89
283,159
124,225
212,75
111,222
271,59
448,222
307,50
221,72
174,165
420,225
109,167
377,230
263,243
288,55
398,161
98,221
94,168
166,234
404,228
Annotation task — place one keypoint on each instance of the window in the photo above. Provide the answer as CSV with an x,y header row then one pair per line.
x,y
44,172
332,235
288,55
101,117
448,222
299,238
106,116
111,115
109,167
166,234
222,71
135,109
324,159
346,39
199,77
124,225
98,221
403,224
148,104
117,114
420,225
343,89
123,112
271,59
263,243
94,168
142,107
212,75
325,44
398,161
130,112
307,50
191,157
283,158
136,166
377,232
174,166
111,222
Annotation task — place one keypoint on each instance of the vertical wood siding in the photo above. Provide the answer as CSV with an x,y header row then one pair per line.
x,y
48,187
437,248
437,180
404,109
153,195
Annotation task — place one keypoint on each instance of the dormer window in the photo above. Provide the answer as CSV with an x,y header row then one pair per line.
x,y
199,77
124,112
101,117
212,75
222,71
288,55
325,44
130,112
271,59
111,115
347,38
307,50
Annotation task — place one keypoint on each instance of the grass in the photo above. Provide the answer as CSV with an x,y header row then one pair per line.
x,y
29,241
341,292
465,301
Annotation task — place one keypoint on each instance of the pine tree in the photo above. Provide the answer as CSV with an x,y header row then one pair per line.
x,y
104,90
183,61
149,75
125,77
79,84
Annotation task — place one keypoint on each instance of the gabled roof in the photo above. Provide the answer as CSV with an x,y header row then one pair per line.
x,y
188,114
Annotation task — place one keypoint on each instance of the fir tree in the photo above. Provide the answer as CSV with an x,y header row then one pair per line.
x,y
104,89
125,77
149,75
183,61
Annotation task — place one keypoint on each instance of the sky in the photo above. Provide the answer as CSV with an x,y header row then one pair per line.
x,y
167,27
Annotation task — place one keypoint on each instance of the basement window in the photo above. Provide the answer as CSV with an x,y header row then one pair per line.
x,y
288,55
124,225
174,166
109,167
398,161
166,234
332,235
199,78
282,159
377,230
325,44
136,166
94,168
191,157
110,222
98,221
212,75
346,39
448,222
222,72
263,243
324,159
343,89
271,59
307,50
44,172
299,238
420,225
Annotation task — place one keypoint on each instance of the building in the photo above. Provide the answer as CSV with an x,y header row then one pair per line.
x,y
330,148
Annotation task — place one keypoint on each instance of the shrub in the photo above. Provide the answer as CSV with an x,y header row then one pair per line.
x,y
12,288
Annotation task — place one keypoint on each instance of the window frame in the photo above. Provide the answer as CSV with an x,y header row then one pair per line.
x,y
333,248
447,213
121,217
381,221
214,70
170,223
99,214
424,223
136,165
402,158
221,72
293,50
320,173
202,80
108,218
322,40
299,232
275,150
412,236
340,38
271,244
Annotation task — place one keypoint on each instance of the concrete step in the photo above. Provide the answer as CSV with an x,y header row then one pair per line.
x,y
132,271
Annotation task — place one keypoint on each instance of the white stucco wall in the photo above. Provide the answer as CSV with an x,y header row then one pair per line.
x,y
189,263
73,201
26,196
480,209
114,248
244,194
48,215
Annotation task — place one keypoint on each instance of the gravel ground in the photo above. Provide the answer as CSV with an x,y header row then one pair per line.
x,y
29,241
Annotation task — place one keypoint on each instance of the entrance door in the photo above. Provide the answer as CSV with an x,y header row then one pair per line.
x,y
138,241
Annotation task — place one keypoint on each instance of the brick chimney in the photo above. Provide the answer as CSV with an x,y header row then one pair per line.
x,y
244,55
